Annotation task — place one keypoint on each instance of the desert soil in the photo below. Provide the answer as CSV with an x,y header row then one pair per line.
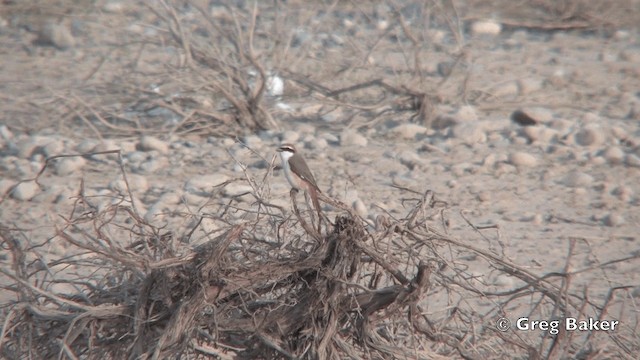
x,y
573,174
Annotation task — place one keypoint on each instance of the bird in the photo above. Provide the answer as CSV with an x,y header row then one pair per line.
x,y
298,173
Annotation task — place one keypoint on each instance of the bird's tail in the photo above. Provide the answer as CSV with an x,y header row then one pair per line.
x,y
316,204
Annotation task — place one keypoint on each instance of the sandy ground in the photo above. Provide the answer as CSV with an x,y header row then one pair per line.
x,y
574,175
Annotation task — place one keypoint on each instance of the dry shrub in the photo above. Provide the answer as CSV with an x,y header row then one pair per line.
x,y
268,285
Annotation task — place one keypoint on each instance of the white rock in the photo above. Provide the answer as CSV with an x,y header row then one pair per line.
x,y
350,137
113,7
148,143
360,208
578,179
25,191
275,85
614,155
69,165
486,27
590,136
408,131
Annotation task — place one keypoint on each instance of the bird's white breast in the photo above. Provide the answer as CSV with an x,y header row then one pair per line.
x,y
285,156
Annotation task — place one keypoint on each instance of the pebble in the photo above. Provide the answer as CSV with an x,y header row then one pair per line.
x,y
410,159
252,141
203,185
466,113
317,144
470,133
237,189
25,191
578,179
632,160
52,148
137,183
350,137
86,146
360,208
49,195
486,27
152,165
289,137
5,185
69,165
408,131
57,35
590,136
613,220
614,155
149,143
113,7
623,193
5,133
508,89
540,134
530,85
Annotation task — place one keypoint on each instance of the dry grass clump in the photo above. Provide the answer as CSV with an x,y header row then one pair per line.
x,y
270,286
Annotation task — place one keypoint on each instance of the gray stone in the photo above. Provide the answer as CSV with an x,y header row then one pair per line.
x,y
57,35
203,185
614,155
578,179
632,160
25,191
522,159
466,113
507,89
530,85
238,189
149,143
470,133
69,165
137,183
350,137
410,159
289,137
53,147
590,136
408,131
86,146
613,220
